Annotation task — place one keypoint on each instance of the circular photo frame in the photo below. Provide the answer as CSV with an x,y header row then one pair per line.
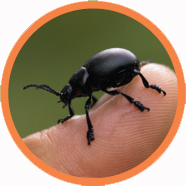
x,y
88,6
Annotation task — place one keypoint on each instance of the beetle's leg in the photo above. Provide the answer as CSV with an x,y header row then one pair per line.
x,y
94,99
69,116
139,105
146,84
115,92
90,133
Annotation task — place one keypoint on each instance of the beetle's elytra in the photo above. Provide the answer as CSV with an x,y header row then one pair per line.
x,y
109,68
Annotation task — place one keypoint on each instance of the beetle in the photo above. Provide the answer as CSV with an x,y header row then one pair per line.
x,y
112,67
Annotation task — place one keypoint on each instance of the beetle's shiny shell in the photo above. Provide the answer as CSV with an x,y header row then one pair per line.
x,y
110,62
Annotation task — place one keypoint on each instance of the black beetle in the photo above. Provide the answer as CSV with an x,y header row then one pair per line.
x,y
109,68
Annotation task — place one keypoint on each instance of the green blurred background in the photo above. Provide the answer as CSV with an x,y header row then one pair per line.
x,y
57,49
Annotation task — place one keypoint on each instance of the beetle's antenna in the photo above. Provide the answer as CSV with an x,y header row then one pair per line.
x,y
44,87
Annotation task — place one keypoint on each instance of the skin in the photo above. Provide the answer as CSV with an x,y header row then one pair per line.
x,y
124,136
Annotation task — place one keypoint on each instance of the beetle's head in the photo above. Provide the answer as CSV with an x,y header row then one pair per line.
x,y
66,94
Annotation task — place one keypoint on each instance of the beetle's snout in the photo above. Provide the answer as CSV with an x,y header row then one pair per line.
x,y
64,97
66,94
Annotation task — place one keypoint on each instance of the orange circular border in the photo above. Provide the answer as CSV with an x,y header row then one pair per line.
x,y
93,5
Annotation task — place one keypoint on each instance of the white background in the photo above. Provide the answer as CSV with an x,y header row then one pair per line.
x,y
16,16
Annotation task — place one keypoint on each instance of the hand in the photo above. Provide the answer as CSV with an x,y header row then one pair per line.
x,y
124,136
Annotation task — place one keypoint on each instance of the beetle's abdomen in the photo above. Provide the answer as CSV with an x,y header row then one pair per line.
x,y
110,62
111,67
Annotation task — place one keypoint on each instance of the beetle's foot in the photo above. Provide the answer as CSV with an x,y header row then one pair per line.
x,y
60,121
140,106
90,136
157,89
64,119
